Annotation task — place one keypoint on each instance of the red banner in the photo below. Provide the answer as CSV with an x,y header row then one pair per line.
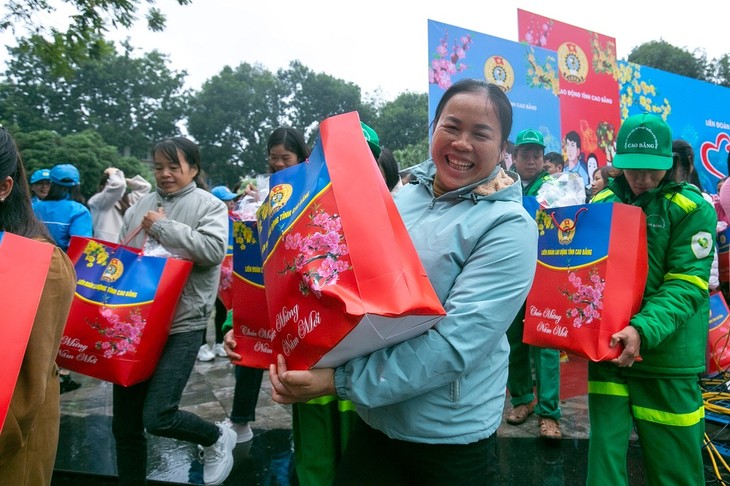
x,y
24,266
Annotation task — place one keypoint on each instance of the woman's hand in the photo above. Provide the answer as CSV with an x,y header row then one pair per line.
x,y
229,345
300,386
150,218
631,340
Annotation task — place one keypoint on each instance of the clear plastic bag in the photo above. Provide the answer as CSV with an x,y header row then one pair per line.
x,y
563,189
154,248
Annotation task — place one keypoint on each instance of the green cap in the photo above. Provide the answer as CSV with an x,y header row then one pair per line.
x,y
644,142
372,139
530,136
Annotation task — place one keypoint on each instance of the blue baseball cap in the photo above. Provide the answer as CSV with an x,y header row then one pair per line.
x,y
40,175
65,175
223,193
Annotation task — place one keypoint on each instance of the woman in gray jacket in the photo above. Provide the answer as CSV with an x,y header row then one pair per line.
x,y
189,223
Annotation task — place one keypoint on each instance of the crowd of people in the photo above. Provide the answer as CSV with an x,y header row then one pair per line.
x,y
426,410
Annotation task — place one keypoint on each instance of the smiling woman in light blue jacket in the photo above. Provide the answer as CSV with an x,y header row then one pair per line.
x,y
433,403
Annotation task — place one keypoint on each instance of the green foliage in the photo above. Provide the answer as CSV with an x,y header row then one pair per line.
x,y
231,118
664,56
412,154
130,101
312,97
719,71
86,150
403,121
79,42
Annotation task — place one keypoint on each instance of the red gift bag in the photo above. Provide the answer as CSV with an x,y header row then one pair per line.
x,y
718,340
251,328
122,310
24,266
343,278
591,273
225,285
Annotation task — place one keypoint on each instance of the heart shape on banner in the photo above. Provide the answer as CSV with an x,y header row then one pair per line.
x,y
706,147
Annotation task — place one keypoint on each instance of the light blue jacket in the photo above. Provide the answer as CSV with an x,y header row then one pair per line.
x,y
64,218
448,385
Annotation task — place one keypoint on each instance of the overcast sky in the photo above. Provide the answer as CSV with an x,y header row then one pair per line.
x,y
383,44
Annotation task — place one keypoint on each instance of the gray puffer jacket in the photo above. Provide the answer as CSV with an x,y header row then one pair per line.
x,y
196,229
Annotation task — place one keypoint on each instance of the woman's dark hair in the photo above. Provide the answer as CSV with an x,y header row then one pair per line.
x,y
169,148
606,172
58,192
389,166
502,105
16,211
292,140
683,166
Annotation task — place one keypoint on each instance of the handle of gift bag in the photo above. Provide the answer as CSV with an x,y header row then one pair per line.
x,y
571,227
131,236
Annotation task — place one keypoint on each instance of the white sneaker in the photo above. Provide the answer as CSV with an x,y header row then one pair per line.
x,y
218,458
243,431
219,351
205,354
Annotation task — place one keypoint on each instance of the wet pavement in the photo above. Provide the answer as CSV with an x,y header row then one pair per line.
x,y
86,454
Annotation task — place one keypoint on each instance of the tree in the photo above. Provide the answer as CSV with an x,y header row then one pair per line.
x,y
662,55
84,36
403,121
86,150
235,111
311,97
412,154
720,70
130,101
231,118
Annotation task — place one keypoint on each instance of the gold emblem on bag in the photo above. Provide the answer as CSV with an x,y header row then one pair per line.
x,y
113,271
566,228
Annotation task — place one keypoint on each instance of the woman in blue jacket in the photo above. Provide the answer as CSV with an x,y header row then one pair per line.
x,y
432,404
63,210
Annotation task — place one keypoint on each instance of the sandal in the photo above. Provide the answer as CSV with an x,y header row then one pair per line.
x,y
549,428
519,414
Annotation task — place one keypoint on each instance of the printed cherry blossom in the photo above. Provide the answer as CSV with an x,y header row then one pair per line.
x,y
320,252
446,64
121,337
588,297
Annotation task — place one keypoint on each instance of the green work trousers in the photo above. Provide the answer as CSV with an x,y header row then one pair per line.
x,y
668,413
520,382
321,428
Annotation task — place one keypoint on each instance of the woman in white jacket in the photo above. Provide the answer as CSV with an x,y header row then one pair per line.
x,y
112,200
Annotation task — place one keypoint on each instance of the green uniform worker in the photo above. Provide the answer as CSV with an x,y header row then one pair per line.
x,y
528,162
660,393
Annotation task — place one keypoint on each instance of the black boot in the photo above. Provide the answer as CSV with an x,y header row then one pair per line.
x,y
67,384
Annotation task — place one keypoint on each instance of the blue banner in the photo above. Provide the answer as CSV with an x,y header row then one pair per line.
x,y
529,75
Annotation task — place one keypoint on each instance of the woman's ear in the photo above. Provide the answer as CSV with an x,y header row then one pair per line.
x,y
6,186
